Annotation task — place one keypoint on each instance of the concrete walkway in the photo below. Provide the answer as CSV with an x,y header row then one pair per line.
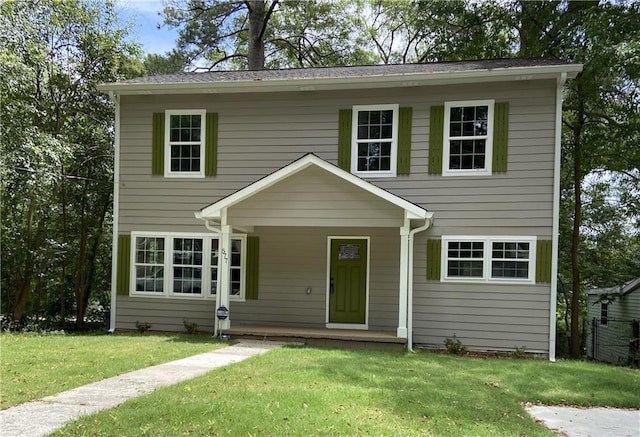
x,y
587,422
42,417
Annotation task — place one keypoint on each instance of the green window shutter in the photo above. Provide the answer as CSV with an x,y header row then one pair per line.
x,y
500,137
211,145
123,266
157,144
405,117
434,253
344,139
436,138
543,260
252,268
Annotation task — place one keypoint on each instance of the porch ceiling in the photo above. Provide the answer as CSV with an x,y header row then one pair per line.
x,y
312,192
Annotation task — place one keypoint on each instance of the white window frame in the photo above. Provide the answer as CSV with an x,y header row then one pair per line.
x,y
394,141
488,258
446,152
167,143
205,291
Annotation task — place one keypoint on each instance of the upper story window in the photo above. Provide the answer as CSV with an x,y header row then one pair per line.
x,y
374,140
495,259
184,146
468,138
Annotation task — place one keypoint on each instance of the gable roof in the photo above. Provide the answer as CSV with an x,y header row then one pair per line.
x,y
353,77
215,210
623,290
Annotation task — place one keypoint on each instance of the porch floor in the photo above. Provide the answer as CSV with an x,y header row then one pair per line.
x,y
347,338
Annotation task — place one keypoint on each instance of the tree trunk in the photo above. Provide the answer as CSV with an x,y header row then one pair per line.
x,y
255,50
576,286
24,277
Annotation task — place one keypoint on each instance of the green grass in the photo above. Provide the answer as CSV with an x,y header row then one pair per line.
x,y
300,391
33,366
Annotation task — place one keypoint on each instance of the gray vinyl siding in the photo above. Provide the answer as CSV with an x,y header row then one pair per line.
x,y
260,133
611,343
292,259
315,198
483,316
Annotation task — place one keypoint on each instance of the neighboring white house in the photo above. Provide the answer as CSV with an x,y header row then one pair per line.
x,y
613,324
407,202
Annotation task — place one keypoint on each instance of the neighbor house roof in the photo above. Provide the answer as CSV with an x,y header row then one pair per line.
x,y
623,289
325,78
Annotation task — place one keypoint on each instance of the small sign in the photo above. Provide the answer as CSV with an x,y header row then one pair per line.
x,y
349,251
222,312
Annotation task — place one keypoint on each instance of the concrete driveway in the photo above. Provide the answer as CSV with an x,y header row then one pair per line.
x,y
587,422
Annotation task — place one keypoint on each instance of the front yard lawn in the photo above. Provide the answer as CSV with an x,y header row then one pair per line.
x,y
304,391
33,366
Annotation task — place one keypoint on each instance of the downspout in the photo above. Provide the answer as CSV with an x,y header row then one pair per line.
x,y
427,223
116,210
556,219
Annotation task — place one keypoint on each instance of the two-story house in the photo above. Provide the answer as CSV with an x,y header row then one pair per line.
x,y
409,203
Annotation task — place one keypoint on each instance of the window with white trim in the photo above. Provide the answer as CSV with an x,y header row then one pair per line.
x,y
149,264
468,138
374,142
184,264
184,146
187,265
488,259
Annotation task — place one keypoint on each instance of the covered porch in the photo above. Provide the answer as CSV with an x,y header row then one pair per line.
x,y
335,256
350,338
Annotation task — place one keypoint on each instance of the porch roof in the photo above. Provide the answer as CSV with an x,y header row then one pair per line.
x,y
217,211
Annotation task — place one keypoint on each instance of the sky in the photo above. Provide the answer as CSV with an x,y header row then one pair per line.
x,y
144,14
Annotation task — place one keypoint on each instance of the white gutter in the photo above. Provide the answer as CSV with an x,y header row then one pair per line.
x,y
428,221
116,210
556,219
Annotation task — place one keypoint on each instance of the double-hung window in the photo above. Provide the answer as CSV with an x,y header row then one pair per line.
x,y
149,256
489,259
468,138
604,313
184,146
374,140
185,265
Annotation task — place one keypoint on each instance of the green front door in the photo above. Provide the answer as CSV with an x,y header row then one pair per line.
x,y
348,281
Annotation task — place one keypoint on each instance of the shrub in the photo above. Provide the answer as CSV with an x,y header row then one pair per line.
x,y
454,346
190,327
142,327
519,352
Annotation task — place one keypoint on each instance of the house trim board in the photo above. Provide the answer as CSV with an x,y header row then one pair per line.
x,y
555,227
328,324
116,210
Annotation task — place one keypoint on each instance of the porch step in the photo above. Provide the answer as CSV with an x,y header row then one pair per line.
x,y
318,337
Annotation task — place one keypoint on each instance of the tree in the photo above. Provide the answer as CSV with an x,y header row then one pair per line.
x,y
428,31
57,136
253,34
601,118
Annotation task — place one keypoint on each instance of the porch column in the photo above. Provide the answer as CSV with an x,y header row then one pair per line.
x,y
404,282
224,274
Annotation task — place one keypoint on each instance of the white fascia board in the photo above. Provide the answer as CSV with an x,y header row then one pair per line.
x,y
214,211
354,82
